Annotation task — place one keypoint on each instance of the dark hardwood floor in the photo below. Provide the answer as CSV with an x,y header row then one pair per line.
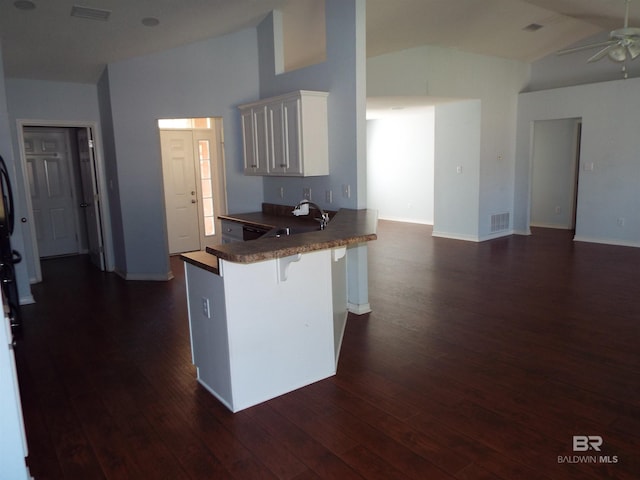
x,y
479,361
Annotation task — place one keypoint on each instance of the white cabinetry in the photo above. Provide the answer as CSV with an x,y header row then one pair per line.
x,y
286,135
13,445
263,329
231,231
254,141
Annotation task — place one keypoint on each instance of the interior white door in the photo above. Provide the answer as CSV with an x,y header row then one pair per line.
x,y
180,192
52,193
90,203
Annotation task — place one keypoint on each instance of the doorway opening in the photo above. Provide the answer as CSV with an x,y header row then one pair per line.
x,y
555,164
192,151
62,182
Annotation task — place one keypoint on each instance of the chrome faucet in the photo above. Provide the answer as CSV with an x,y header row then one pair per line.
x,y
303,209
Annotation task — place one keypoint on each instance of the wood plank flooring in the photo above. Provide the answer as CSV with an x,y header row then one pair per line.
x,y
479,361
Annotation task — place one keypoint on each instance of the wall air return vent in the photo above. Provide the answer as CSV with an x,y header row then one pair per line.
x,y
90,13
499,222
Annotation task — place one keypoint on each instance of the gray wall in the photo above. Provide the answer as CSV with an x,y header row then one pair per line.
x,y
608,200
343,76
7,152
205,79
555,71
44,102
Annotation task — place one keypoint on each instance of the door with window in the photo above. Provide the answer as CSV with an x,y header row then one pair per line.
x,y
193,172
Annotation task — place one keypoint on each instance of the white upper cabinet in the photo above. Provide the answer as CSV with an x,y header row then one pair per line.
x,y
254,141
286,135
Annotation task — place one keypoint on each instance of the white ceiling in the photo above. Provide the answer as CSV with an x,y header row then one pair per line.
x,y
47,43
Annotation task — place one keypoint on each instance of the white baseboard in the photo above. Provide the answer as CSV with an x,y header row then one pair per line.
x,y
361,309
607,241
26,300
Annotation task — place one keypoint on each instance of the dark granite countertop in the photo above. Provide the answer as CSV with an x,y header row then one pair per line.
x,y
346,227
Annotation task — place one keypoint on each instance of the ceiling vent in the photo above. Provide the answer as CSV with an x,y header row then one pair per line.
x,y
90,13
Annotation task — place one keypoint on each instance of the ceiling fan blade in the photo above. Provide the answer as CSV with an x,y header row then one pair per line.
x,y
603,53
586,47
634,50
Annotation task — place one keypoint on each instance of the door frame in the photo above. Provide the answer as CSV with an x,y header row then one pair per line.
x,y
30,243
576,161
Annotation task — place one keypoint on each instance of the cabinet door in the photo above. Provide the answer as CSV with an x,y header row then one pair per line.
x,y
254,141
248,141
231,231
260,122
278,154
293,135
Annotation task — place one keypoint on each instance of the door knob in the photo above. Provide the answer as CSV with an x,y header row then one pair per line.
x,y
193,201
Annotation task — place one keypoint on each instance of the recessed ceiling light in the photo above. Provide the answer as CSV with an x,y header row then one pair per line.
x,y
150,22
90,13
24,5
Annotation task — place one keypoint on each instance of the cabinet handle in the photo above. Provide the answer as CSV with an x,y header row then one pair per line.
x,y
254,166
283,165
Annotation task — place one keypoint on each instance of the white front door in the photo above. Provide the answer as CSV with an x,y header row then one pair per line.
x,y
90,203
181,200
52,192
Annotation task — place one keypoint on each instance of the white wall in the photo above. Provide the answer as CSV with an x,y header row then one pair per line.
x,y
457,170
608,200
553,173
400,177
495,82
204,79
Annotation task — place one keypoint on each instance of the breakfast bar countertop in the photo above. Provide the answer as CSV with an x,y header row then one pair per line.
x,y
346,227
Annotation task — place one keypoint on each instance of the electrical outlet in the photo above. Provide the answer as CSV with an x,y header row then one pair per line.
x,y
306,193
346,191
621,222
328,196
206,311
281,192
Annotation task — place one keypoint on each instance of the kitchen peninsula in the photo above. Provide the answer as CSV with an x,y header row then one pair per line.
x,y
267,316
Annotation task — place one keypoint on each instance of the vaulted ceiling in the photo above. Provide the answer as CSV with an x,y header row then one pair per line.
x,y
46,42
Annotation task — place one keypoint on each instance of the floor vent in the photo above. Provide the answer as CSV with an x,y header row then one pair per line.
x,y
499,222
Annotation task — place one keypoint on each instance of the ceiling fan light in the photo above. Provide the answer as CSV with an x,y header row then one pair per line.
x,y
618,54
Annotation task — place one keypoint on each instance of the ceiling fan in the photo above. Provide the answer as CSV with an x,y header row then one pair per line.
x,y
624,43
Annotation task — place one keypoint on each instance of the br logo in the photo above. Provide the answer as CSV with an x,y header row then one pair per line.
x,y
583,443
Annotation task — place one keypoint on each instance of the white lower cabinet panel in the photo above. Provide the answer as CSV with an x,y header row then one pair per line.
x,y
272,320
